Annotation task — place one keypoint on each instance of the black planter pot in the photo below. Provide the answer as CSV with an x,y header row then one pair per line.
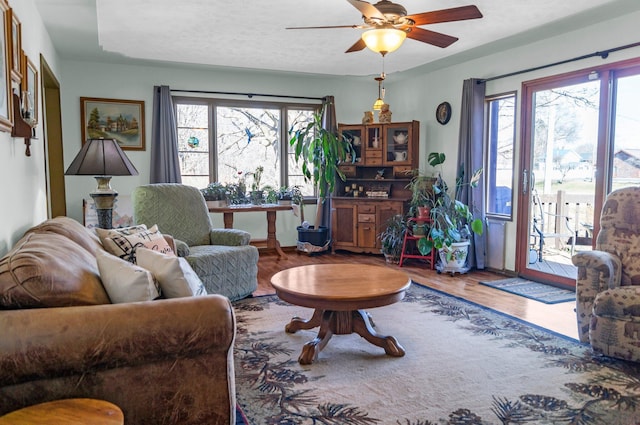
x,y
317,237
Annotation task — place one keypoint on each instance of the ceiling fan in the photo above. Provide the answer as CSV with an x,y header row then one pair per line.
x,y
392,18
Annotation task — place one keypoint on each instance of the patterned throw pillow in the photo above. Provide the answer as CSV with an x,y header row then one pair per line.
x,y
125,282
124,246
110,233
174,274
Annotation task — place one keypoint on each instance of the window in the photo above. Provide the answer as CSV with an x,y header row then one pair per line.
x,y
226,140
501,119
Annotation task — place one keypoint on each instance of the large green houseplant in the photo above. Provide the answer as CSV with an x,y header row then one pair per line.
x,y
452,221
320,152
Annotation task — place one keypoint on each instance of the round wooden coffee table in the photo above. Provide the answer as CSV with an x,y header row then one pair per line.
x,y
339,293
72,411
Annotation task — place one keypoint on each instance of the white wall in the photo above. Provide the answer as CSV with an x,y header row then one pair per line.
x,y
83,79
22,179
422,93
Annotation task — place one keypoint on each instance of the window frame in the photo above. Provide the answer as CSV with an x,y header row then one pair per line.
x,y
214,102
489,148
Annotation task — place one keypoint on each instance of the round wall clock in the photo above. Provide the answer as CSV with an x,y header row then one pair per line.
x,y
443,113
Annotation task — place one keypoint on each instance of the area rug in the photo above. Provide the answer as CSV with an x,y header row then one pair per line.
x,y
547,294
464,364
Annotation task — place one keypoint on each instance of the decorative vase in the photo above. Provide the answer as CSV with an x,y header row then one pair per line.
x,y
391,259
424,212
419,230
454,259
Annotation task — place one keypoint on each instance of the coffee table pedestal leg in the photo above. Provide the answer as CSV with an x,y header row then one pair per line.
x,y
340,323
362,326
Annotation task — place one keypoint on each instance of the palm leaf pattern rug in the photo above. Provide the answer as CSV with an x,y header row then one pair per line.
x,y
465,364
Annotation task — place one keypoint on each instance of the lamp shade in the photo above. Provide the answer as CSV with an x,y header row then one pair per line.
x,y
101,157
377,105
384,40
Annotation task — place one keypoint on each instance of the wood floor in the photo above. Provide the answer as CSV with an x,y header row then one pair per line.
x,y
557,317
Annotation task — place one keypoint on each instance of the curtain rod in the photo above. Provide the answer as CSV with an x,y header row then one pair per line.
x,y
603,54
249,95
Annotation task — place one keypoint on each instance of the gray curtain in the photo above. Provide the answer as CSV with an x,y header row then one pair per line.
x,y
165,166
329,122
470,158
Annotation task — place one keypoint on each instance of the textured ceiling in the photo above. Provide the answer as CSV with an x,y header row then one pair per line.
x,y
252,34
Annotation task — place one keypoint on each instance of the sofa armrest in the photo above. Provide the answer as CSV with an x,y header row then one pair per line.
x,y
135,355
597,271
230,237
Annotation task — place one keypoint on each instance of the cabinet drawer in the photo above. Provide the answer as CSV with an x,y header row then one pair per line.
x,y
366,218
373,154
373,161
348,170
402,171
366,209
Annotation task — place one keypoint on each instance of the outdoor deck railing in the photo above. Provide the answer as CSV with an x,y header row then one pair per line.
x,y
564,216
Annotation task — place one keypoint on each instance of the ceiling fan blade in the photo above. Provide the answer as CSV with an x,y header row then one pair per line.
x,y
359,45
331,26
446,15
367,9
431,37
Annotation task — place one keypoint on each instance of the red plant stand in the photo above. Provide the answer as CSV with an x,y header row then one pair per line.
x,y
408,236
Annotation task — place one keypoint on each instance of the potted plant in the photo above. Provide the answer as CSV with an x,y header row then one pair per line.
x,y
452,221
422,196
284,196
392,238
216,195
321,151
270,194
257,193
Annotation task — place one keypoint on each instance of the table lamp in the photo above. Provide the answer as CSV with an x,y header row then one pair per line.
x,y
102,158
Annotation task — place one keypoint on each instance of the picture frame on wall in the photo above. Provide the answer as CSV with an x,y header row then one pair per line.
x,y
6,110
122,120
30,86
16,47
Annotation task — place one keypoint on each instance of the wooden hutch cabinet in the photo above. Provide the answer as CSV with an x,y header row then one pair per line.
x,y
375,186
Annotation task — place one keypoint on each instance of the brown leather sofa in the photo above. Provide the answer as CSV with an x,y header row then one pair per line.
x,y
162,362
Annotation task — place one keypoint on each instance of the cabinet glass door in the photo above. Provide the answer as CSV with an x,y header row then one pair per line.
x,y
397,144
355,136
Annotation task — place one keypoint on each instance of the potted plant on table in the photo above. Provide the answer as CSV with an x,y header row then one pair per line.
x,y
257,193
321,151
392,238
284,195
216,195
452,221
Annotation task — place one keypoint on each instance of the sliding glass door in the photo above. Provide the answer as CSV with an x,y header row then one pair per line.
x,y
580,141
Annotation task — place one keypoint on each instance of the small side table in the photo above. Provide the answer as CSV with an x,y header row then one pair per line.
x,y
72,411
408,236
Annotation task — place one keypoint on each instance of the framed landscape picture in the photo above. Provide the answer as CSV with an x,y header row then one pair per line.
x,y
122,120
6,112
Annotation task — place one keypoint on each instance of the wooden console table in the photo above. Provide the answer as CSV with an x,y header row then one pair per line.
x,y
270,209
73,411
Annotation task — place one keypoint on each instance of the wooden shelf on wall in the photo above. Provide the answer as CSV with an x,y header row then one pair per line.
x,y
20,127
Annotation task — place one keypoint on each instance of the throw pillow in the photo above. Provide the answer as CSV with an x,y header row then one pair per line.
x,y
175,275
125,282
110,233
125,246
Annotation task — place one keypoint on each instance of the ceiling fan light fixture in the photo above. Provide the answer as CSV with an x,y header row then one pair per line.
x,y
384,40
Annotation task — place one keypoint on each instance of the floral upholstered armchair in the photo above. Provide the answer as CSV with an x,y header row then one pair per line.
x,y
608,283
